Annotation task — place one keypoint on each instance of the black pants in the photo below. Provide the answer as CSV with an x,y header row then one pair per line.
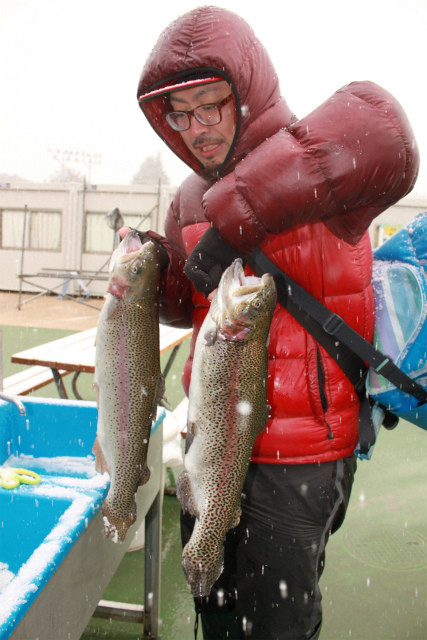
x,y
274,558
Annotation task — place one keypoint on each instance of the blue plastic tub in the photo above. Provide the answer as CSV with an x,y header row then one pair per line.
x,y
40,524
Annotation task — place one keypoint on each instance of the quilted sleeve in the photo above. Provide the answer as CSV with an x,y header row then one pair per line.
x,y
346,162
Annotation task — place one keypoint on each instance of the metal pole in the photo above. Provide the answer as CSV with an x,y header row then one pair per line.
x,y
83,225
21,268
153,544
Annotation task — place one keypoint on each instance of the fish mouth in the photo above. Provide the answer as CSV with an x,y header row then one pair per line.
x,y
130,253
236,289
241,302
131,242
241,286
126,250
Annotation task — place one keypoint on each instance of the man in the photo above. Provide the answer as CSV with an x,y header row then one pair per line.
x,y
305,192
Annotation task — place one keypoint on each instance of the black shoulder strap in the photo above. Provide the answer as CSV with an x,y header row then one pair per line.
x,y
343,343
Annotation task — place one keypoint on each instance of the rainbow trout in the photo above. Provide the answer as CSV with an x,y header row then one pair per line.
x,y
227,410
128,379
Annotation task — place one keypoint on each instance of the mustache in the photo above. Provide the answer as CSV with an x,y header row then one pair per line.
x,y
204,140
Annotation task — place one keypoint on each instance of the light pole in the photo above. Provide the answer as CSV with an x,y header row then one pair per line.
x,y
65,156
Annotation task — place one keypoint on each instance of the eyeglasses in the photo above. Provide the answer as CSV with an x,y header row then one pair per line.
x,y
207,114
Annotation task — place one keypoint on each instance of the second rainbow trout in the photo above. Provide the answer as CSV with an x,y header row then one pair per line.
x,y
227,409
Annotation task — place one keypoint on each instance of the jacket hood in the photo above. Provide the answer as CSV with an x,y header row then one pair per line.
x,y
212,40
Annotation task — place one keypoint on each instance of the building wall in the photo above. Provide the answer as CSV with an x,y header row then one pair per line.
x,y
395,217
60,227
65,228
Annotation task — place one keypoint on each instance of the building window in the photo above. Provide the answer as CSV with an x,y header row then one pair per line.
x,y
31,229
99,237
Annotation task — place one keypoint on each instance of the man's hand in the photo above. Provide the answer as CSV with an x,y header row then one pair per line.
x,y
209,258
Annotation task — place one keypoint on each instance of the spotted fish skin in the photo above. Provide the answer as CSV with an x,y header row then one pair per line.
x,y
227,409
128,378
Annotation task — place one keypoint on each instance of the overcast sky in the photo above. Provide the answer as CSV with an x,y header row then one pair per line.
x,y
69,71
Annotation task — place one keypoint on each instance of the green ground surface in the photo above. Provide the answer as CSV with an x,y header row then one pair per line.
x,y
375,582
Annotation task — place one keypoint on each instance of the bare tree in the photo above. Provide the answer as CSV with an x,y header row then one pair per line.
x,y
66,174
11,177
151,171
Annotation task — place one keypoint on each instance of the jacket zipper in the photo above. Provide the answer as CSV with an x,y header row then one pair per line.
x,y
321,383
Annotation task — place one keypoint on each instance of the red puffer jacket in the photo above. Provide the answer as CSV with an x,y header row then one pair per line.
x,y
305,191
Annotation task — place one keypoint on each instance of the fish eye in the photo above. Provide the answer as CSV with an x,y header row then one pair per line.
x,y
256,304
136,268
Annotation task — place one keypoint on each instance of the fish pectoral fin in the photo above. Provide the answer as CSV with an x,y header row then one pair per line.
x,y
236,518
211,336
190,435
164,402
159,398
96,387
185,495
145,475
101,464
263,422
160,389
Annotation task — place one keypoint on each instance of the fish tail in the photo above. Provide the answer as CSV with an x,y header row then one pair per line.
x,y
116,526
201,573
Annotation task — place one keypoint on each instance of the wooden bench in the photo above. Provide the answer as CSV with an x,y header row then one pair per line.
x,y
28,380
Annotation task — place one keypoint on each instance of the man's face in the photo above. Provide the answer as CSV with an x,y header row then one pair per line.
x,y
208,143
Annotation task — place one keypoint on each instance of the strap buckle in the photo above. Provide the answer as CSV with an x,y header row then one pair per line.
x,y
385,367
332,324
